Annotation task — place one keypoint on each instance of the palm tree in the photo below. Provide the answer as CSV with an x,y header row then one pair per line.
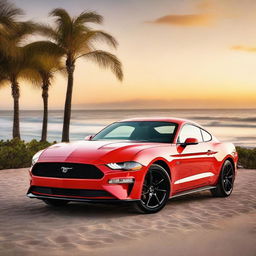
x,y
77,39
12,62
43,61
8,15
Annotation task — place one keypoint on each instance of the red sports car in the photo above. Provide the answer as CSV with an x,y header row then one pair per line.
x,y
145,161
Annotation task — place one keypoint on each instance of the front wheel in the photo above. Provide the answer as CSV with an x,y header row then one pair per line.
x,y
225,184
56,202
155,191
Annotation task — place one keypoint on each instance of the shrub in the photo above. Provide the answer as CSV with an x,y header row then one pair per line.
x,y
247,157
18,153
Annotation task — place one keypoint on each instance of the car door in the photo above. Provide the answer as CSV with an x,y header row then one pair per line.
x,y
193,163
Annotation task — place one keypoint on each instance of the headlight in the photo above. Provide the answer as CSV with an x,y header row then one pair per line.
x,y
131,166
36,156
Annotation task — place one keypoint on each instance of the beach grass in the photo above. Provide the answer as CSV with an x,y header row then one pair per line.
x,y
247,157
17,153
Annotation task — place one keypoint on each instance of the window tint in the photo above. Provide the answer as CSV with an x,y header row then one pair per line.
x,y
165,129
146,131
123,131
206,136
190,131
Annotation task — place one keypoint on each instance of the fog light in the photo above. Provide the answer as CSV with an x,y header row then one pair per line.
x,y
121,181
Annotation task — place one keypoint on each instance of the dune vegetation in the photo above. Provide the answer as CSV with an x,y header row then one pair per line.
x,y
17,153
247,157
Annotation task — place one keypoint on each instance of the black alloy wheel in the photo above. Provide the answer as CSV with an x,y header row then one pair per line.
x,y
155,191
226,181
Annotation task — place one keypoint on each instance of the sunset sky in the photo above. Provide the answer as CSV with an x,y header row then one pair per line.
x,y
175,53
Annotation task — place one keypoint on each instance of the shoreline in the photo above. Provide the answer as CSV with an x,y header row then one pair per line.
x,y
228,125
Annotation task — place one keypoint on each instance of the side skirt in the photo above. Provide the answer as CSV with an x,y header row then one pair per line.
x,y
187,192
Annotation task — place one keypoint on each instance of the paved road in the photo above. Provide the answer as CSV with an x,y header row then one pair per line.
x,y
28,225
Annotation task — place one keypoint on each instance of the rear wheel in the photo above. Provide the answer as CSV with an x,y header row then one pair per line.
x,y
56,202
226,181
155,191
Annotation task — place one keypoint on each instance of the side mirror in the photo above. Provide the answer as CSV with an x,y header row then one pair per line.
x,y
190,141
89,137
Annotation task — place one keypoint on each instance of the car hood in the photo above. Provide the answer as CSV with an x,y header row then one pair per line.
x,y
96,152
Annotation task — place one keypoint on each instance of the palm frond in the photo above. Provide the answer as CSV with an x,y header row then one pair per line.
x,y
8,13
106,60
86,41
3,78
101,36
22,30
61,15
64,29
90,17
12,39
43,48
43,56
46,31
31,75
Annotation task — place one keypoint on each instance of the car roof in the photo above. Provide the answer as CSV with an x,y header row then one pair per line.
x,y
179,121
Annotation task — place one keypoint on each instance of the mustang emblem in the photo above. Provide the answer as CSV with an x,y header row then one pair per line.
x,y
65,169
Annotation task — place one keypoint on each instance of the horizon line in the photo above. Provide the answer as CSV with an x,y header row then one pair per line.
x,y
118,109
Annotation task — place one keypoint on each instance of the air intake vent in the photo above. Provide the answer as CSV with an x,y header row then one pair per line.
x,y
70,192
67,171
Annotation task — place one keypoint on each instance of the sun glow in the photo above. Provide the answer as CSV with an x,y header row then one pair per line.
x,y
172,55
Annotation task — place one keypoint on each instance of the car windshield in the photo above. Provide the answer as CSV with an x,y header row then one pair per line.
x,y
143,131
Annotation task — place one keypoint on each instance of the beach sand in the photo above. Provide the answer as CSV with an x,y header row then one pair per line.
x,y
196,224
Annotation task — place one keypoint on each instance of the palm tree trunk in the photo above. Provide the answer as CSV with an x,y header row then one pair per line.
x,y
67,111
45,88
16,96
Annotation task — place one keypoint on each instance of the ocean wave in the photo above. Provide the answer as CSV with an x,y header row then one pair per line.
x,y
86,122
218,124
233,119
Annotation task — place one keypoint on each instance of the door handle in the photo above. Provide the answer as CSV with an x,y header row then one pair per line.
x,y
211,152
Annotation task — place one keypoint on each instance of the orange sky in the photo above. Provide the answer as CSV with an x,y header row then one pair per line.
x,y
175,54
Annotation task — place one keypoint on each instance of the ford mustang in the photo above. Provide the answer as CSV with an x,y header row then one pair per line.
x,y
145,161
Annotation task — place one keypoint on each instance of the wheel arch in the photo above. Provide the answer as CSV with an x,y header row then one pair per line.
x,y
229,158
163,164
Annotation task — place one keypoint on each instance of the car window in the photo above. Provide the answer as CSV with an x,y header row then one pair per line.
x,y
144,131
206,136
190,131
123,131
166,129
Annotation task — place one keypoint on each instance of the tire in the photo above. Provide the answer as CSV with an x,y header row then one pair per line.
x,y
225,183
155,191
56,202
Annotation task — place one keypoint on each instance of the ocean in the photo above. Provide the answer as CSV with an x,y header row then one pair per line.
x,y
234,125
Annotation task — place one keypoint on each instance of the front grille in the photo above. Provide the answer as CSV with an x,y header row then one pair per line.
x,y
67,170
70,192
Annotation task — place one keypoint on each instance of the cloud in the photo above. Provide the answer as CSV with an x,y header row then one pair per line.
x,y
206,5
186,20
182,102
243,48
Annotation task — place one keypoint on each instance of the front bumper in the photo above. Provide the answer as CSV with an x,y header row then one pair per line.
x,y
113,192
31,195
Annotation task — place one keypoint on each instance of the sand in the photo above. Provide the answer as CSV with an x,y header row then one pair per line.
x,y
191,225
